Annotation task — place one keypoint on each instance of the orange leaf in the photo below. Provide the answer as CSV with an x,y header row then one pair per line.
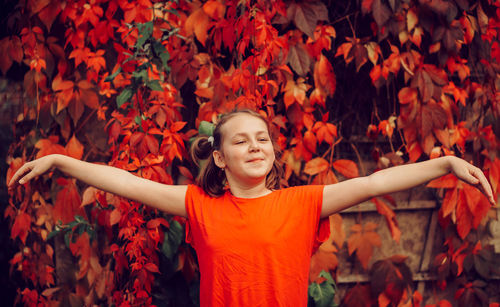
x,y
315,166
324,75
114,217
390,218
295,92
322,261
310,141
199,23
47,147
74,148
363,241
347,168
214,9
407,95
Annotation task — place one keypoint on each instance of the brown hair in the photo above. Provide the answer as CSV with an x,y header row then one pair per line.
x,y
211,178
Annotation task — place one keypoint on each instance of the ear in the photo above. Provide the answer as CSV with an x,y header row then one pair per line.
x,y
218,159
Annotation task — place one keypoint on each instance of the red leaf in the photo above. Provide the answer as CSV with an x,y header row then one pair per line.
x,y
464,216
347,168
67,203
21,227
5,60
316,166
448,181
153,268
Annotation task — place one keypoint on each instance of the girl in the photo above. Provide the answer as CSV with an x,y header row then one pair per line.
x,y
253,240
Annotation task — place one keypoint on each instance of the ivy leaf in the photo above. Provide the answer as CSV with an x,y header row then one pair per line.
x,y
154,85
391,277
390,218
358,296
113,75
173,239
74,148
347,168
306,15
21,227
68,201
381,13
145,32
162,52
124,96
316,166
299,59
362,241
206,128
323,293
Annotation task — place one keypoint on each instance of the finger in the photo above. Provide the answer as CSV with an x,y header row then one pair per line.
x,y
21,171
485,186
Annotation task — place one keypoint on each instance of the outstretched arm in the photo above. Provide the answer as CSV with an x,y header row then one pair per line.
x,y
168,198
345,194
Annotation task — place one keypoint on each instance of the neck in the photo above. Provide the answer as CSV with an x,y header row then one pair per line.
x,y
248,190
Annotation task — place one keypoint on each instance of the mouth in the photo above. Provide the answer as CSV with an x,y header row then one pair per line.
x,y
255,160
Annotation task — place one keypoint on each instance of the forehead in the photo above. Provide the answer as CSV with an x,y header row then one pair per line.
x,y
243,124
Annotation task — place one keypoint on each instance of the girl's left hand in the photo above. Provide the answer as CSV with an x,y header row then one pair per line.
x,y
472,175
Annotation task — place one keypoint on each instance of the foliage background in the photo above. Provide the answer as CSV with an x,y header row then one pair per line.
x,y
343,83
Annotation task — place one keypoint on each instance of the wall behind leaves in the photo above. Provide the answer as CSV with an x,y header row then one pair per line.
x,y
128,83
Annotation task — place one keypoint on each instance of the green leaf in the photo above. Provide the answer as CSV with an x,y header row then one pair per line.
x,y
145,32
154,85
206,128
67,238
162,53
173,238
322,294
52,234
138,120
123,97
141,74
113,76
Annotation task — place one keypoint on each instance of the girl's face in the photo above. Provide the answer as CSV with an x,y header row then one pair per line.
x,y
247,153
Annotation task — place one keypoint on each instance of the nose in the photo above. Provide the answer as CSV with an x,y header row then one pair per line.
x,y
254,146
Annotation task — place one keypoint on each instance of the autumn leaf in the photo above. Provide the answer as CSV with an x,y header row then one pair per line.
x,y
49,146
391,277
347,168
295,92
21,227
67,203
362,240
390,218
324,76
306,15
316,166
74,148
198,23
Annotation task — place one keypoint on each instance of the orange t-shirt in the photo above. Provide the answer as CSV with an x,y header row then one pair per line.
x,y
257,251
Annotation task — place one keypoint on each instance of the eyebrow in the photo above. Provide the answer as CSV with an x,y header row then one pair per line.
x,y
245,133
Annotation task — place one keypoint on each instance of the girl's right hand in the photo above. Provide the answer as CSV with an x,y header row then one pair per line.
x,y
32,169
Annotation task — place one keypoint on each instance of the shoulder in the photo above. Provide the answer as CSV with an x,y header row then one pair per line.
x,y
301,192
